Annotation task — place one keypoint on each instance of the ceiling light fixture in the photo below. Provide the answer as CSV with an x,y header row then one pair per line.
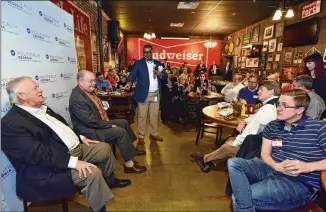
x,y
149,35
284,7
176,24
174,38
189,5
210,44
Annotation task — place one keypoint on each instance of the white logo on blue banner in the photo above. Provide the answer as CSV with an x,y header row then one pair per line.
x,y
37,40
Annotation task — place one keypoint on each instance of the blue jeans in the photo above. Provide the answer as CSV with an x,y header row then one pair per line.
x,y
256,186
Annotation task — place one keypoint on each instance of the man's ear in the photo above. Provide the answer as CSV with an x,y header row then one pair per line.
x,y
21,95
300,110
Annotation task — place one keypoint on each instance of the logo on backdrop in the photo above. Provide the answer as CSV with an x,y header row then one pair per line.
x,y
46,78
62,42
27,56
60,95
6,171
72,60
68,76
4,82
7,26
54,58
5,109
21,6
49,19
63,111
68,27
39,35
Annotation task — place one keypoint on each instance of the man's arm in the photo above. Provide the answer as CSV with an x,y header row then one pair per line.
x,y
133,73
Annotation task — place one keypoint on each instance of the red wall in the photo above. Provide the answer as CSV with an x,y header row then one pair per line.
x,y
176,51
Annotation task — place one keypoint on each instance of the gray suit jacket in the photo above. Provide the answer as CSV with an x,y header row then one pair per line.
x,y
85,116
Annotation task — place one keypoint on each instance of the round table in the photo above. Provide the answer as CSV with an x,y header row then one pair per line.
x,y
212,113
210,97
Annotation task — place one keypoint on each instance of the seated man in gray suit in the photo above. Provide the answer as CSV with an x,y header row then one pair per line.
x,y
48,156
89,118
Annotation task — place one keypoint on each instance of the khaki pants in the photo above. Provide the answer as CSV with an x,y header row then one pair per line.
x,y
225,151
153,107
94,186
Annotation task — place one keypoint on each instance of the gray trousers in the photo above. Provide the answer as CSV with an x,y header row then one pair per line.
x,y
94,186
123,136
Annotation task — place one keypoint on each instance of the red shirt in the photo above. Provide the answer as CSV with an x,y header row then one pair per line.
x,y
111,80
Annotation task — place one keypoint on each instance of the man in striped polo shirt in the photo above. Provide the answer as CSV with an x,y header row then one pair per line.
x,y
293,154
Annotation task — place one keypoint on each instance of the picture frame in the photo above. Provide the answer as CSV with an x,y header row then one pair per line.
x,y
255,34
279,29
268,66
246,38
246,51
288,57
262,65
272,45
243,62
324,58
270,58
265,46
252,62
289,72
277,57
275,66
263,56
269,32
298,57
279,44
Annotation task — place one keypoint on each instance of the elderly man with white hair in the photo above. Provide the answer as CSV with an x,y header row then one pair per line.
x,y
48,156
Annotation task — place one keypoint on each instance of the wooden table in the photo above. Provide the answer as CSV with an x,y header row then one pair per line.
x,y
210,97
112,96
212,112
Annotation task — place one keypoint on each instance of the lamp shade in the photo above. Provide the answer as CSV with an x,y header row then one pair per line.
x,y
277,15
289,13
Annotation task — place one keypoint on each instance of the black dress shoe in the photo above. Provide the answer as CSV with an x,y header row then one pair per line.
x,y
135,169
119,183
140,152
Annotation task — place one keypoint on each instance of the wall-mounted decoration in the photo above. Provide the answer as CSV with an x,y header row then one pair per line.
x,y
268,66
243,62
311,8
311,51
252,62
324,60
279,28
263,56
231,47
255,34
280,44
226,48
269,32
94,46
298,57
265,46
275,66
246,51
272,45
289,72
239,62
288,57
246,38
235,59
270,58
277,57
237,42
262,65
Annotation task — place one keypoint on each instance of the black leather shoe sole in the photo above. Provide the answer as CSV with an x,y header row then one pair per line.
x,y
120,184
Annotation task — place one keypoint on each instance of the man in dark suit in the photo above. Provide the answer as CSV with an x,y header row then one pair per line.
x,y
89,118
166,65
48,156
149,74
200,68
214,69
130,65
226,74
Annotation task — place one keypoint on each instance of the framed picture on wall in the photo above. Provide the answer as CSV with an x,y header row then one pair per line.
x,y
265,46
275,66
268,66
263,56
277,57
280,44
288,57
289,72
272,45
270,58
255,34
262,65
269,32
279,28
324,58
246,38
252,62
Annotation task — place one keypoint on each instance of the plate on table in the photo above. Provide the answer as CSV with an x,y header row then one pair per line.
x,y
223,104
226,112
103,93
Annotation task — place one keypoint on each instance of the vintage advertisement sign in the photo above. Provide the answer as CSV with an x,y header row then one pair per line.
x,y
311,8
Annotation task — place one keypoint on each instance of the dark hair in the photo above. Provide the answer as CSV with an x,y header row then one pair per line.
x,y
148,46
300,97
272,85
98,74
317,58
305,81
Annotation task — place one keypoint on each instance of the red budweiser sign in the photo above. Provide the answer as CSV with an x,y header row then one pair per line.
x,y
311,8
175,51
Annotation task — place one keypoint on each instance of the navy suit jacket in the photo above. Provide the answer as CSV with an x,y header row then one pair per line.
x,y
139,71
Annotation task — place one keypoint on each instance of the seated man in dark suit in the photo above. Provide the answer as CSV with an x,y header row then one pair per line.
x,y
89,118
48,156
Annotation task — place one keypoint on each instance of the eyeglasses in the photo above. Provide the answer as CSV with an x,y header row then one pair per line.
x,y
148,52
282,106
252,82
91,81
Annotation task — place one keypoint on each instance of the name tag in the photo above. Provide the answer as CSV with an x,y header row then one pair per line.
x,y
277,143
155,99
255,97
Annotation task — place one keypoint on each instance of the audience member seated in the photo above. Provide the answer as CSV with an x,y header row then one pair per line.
x,y
214,70
185,65
253,125
49,158
171,79
200,68
317,105
293,154
226,74
89,118
112,78
180,89
101,83
200,83
249,93
123,81
232,89
166,65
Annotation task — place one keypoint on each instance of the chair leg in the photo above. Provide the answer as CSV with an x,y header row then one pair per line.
x,y
202,132
64,204
114,150
220,135
217,135
25,206
198,133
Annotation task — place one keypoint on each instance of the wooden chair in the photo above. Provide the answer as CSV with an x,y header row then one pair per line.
x,y
64,203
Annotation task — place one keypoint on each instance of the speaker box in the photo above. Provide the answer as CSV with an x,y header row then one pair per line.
x,y
113,30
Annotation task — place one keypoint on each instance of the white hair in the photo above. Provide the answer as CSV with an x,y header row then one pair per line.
x,y
12,88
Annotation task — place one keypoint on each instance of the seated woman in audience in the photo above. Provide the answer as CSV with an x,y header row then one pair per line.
x,y
268,94
201,82
123,81
293,154
232,89
179,91
249,93
112,78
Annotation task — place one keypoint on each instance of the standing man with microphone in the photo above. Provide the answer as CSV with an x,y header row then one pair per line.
x,y
149,73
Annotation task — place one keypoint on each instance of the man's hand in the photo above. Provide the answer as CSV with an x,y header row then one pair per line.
x,y
83,167
230,141
89,141
241,126
113,126
158,73
127,87
296,167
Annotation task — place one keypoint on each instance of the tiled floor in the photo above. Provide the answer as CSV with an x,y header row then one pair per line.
x,y
173,181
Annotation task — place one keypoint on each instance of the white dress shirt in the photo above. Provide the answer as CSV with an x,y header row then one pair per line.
x,y
65,133
257,122
231,91
153,83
